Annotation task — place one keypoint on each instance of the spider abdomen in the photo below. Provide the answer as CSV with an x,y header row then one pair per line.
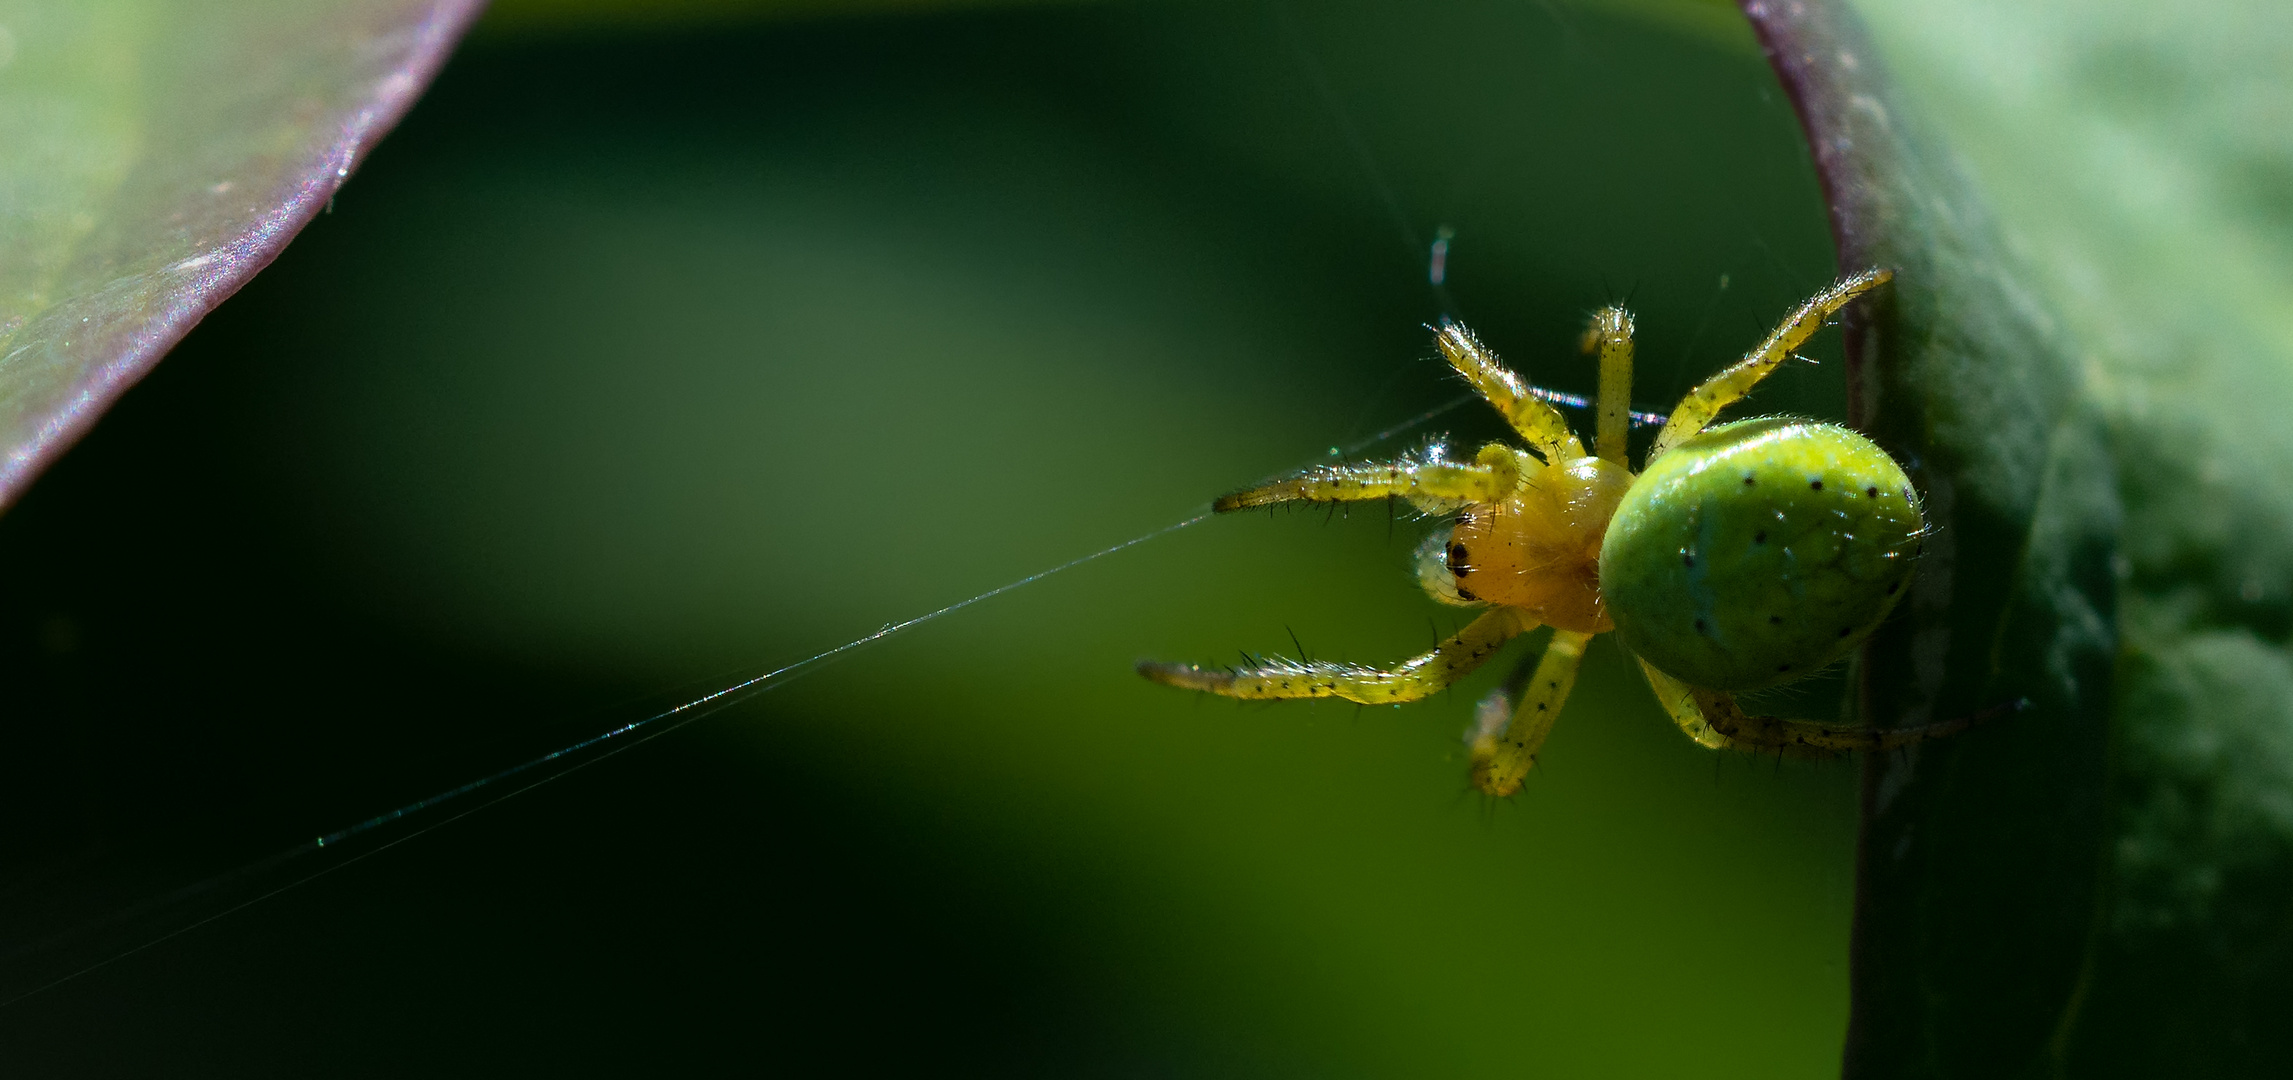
x,y
1758,552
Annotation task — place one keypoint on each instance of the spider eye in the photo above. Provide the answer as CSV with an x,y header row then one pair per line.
x,y
1439,565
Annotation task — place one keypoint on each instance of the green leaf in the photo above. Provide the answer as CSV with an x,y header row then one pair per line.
x,y
2090,355
157,156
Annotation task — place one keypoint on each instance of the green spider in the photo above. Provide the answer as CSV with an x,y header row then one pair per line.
x,y
1740,557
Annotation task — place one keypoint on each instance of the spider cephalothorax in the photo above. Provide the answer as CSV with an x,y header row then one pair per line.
x,y
1742,556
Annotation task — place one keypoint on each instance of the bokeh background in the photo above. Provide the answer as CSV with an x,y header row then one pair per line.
x,y
657,351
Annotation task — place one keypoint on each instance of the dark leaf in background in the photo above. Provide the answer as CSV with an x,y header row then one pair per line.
x,y
156,157
2089,357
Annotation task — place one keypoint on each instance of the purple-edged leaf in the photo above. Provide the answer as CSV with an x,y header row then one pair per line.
x,y
153,157
2089,357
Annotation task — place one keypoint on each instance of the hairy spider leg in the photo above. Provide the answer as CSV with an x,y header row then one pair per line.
x,y
1610,337
1502,761
1537,421
1729,386
1418,677
1713,719
1492,477
1679,703
1808,738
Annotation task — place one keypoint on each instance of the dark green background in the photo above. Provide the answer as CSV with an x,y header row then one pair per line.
x,y
636,364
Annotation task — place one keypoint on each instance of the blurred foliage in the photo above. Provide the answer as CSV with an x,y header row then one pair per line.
x,y
1715,22
514,18
637,363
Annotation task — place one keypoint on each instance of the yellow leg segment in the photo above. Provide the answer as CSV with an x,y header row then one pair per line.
x,y
1491,478
1714,720
1610,338
1806,738
1502,760
1412,679
1536,420
1680,704
1724,389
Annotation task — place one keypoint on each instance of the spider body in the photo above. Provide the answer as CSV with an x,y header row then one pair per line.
x,y
1538,550
1742,556
1759,551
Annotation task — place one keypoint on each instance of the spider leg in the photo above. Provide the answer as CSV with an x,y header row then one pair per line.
x,y
1680,704
1490,478
1714,720
1724,389
1412,679
1811,739
1532,416
1610,337
1501,760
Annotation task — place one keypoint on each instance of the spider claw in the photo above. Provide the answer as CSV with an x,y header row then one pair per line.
x,y
1185,676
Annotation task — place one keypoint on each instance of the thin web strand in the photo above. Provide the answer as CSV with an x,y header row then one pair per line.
x,y
1310,66
1365,160
680,716
651,727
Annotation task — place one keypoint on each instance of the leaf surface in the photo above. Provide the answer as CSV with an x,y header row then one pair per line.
x,y
157,156
2089,357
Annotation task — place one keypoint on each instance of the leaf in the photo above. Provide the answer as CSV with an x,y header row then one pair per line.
x,y
2090,356
158,155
